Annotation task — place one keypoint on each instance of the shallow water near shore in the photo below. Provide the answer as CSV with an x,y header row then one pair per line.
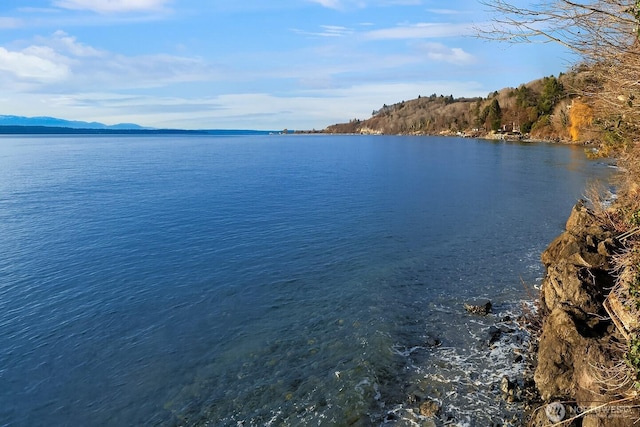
x,y
269,280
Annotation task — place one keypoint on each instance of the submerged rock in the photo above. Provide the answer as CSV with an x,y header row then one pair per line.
x,y
432,341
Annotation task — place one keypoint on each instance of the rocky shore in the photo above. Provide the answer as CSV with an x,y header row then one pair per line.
x,y
578,355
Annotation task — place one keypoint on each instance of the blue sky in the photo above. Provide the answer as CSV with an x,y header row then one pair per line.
x,y
248,64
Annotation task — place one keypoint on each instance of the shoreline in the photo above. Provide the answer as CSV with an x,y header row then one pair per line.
x,y
524,138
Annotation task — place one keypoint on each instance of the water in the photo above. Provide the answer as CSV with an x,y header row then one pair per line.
x,y
267,280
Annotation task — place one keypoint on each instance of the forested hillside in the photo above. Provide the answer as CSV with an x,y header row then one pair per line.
x,y
547,108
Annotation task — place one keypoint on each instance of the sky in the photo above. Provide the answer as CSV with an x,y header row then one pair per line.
x,y
249,64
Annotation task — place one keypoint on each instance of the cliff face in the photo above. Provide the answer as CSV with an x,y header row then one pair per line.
x,y
579,346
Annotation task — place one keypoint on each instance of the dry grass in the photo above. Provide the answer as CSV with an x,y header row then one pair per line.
x,y
600,201
615,377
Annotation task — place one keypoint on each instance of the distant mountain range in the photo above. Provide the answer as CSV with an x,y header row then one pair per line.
x,y
12,125
54,122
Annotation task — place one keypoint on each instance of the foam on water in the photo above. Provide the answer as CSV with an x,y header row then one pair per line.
x,y
465,382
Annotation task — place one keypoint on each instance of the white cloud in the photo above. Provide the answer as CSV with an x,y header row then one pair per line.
x,y
34,64
112,6
420,31
60,63
441,53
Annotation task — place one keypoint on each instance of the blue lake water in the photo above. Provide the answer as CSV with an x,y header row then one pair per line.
x,y
267,280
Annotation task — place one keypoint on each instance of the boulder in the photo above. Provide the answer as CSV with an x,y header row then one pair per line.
x,y
580,218
566,283
582,250
578,264
481,309
429,408
559,344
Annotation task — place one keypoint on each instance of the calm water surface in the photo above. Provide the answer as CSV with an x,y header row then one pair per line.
x,y
267,280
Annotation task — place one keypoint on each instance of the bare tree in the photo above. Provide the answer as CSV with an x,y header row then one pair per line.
x,y
603,33
589,28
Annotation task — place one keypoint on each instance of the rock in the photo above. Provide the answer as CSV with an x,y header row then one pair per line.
x,y
580,218
507,330
579,250
480,309
585,243
431,341
606,247
578,264
566,283
559,344
505,385
510,390
493,334
390,417
429,408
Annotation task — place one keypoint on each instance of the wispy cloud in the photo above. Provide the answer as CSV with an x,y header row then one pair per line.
x,y
361,4
9,23
447,11
442,53
402,2
112,6
331,4
420,31
66,44
326,31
